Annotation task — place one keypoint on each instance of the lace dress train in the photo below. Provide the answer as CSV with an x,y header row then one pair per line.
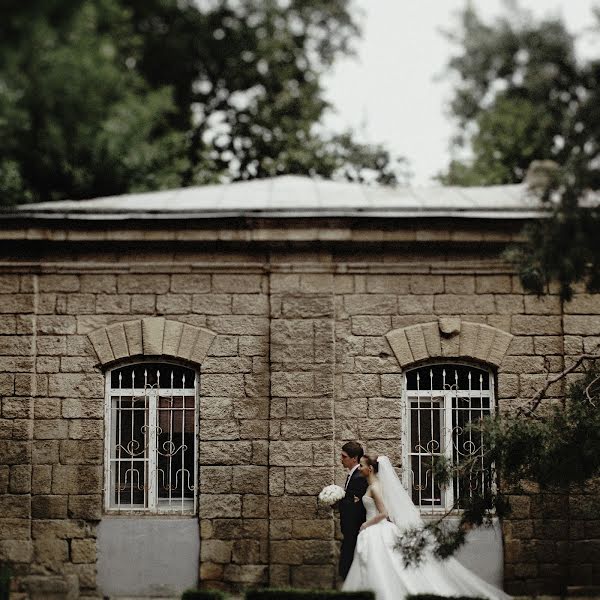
x,y
377,566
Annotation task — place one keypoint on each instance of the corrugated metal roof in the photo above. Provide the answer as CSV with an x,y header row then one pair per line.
x,y
296,196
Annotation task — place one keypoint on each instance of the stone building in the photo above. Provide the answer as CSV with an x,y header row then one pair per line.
x,y
179,369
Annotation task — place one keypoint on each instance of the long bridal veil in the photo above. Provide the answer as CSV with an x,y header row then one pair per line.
x,y
400,508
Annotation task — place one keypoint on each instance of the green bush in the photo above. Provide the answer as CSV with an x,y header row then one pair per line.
x,y
5,577
291,594
437,597
203,595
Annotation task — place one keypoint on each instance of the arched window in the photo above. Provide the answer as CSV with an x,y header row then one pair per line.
x,y
151,438
439,403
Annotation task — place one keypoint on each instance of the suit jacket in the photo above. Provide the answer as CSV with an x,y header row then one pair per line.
x,y
352,510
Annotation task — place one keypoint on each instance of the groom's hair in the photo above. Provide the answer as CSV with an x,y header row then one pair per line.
x,y
353,450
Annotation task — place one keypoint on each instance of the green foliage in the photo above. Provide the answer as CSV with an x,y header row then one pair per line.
x,y
297,594
5,578
556,446
112,96
203,595
518,80
523,95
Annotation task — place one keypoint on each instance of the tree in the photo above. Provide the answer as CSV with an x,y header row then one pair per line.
x,y
524,95
112,96
525,104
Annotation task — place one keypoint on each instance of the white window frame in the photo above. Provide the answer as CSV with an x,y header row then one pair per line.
x,y
181,506
447,492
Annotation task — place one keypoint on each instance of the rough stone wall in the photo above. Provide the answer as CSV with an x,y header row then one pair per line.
x,y
300,364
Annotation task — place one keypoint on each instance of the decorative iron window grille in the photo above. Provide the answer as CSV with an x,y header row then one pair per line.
x,y
440,401
151,439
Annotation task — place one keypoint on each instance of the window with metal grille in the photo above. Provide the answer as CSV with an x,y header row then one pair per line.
x,y
440,401
151,439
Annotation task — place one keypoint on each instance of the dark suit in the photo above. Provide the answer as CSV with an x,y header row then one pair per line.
x,y
352,516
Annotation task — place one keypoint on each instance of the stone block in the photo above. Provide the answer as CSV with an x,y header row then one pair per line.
x,y
82,409
142,283
41,479
173,304
81,452
426,284
133,332
216,551
83,551
15,529
118,340
586,304
371,325
77,364
286,453
101,344
248,575
250,304
152,335
543,305
87,507
212,304
86,429
69,385
219,429
113,304
313,429
360,386
172,337
223,385
201,347
143,304
11,345
190,283
540,325
316,283
459,284
498,284
81,304
16,551
464,304
313,576
8,324
509,304
303,307
19,479
250,480
58,283
98,283
76,479
51,429
16,303
49,507
221,506
15,506
228,283
225,453
254,429
416,341
371,304
290,384
400,346
255,506
306,482
215,480
16,408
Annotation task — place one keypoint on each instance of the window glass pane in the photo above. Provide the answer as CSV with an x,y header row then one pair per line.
x,y
152,438
148,373
129,450
444,403
442,377
175,448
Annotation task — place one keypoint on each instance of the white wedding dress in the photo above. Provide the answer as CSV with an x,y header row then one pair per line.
x,y
378,567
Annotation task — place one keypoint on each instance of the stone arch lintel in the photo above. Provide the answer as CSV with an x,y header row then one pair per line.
x,y
449,338
151,336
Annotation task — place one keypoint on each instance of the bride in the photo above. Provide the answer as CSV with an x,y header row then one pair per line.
x,y
377,566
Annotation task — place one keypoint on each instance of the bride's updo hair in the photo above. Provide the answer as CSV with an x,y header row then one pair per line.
x,y
372,462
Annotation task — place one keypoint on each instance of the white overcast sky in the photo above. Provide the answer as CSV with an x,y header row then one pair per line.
x,y
391,91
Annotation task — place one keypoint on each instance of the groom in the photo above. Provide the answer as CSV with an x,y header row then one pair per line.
x,y
352,511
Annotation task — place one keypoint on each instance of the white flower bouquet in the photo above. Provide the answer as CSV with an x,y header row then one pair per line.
x,y
331,494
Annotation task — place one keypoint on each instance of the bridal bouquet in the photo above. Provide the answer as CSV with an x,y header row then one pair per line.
x,y
331,494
